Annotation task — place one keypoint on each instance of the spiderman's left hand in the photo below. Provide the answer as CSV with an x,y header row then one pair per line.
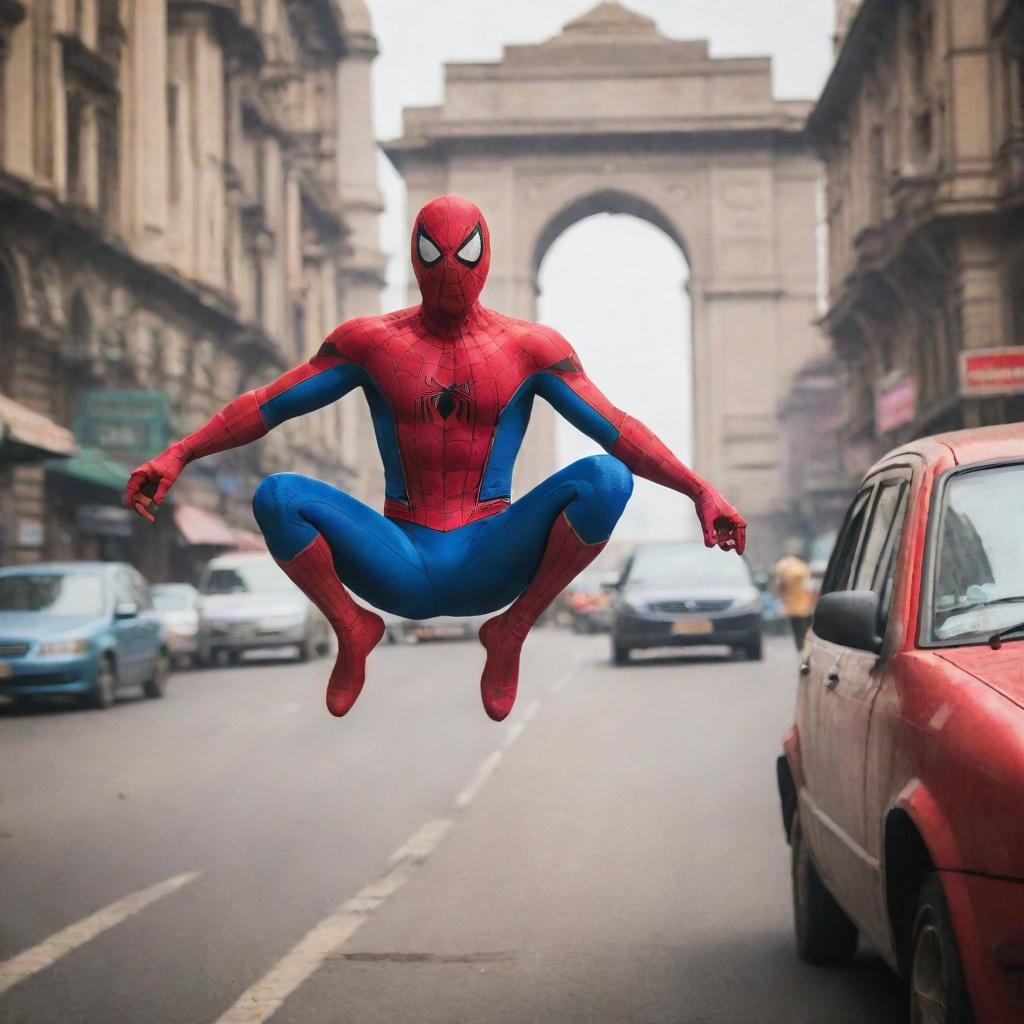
x,y
720,523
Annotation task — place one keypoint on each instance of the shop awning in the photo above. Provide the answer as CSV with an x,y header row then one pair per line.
x,y
198,526
27,435
246,540
93,467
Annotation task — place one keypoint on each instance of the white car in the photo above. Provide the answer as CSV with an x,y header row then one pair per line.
x,y
248,604
176,605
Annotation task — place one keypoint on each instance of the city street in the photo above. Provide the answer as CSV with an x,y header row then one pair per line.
x,y
611,853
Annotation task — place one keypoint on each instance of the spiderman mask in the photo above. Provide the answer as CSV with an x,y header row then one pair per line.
x,y
451,252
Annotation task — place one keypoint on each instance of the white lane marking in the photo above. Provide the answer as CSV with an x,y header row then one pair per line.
x,y
262,1000
480,776
515,730
562,679
423,843
50,950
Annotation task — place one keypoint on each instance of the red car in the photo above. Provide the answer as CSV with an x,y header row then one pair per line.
x,y
902,781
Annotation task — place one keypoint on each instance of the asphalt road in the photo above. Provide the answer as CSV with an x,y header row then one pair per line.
x,y
611,853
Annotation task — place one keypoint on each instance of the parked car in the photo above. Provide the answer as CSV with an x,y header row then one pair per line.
x,y
79,628
176,605
249,604
590,602
902,780
682,595
442,627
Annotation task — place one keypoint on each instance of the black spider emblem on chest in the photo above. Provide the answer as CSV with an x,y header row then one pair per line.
x,y
446,401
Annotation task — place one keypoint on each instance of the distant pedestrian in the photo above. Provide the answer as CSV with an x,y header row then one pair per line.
x,y
793,586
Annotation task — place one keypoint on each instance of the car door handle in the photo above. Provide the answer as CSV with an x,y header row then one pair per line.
x,y
832,680
805,667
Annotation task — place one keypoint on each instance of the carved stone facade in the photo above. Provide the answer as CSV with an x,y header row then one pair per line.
x,y
188,205
921,125
610,115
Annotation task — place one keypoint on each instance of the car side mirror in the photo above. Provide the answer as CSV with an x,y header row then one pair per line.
x,y
126,610
849,618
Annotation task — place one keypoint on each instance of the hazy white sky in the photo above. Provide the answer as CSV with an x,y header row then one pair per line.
x,y
582,275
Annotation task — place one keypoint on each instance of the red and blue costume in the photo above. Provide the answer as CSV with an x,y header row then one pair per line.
x,y
450,386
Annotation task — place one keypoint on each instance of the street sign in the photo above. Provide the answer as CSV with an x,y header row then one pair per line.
x,y
992,371
131,424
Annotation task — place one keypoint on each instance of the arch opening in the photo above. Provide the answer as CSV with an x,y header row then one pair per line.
x,y
615,282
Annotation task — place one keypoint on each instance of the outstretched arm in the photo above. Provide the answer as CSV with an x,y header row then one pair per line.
x,y
305,388
564,384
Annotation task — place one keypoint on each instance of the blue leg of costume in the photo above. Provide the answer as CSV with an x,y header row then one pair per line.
x,y
417,572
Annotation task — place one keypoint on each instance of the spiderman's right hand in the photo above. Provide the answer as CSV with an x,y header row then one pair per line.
x,y
148,485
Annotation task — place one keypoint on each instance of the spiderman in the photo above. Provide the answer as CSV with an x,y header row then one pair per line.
x,y
450,386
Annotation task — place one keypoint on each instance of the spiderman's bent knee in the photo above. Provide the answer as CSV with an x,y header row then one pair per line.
x,y
609,477
274,494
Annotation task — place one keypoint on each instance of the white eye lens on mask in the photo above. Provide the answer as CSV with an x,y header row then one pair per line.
x,y
429,252
472,249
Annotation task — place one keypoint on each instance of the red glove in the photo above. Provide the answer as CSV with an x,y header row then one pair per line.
x,y
239,422
148,485
719,521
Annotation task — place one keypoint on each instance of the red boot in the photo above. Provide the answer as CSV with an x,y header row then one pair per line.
x,y
565,557
358,629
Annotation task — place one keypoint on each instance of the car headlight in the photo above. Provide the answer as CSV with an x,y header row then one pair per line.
x,y
61,648
635,606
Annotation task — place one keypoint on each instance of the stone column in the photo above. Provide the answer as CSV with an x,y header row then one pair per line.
x,y
16,101
144,185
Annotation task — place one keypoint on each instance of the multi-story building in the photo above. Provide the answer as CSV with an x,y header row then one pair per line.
x,y
188,205
921,126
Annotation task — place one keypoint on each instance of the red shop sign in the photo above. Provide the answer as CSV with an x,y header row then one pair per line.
x,y
992,371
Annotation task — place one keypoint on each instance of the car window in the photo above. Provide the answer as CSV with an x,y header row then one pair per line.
x,y
978,570
140,588
886,518
74,593
123,591
840,565
877,564
685,564
253,576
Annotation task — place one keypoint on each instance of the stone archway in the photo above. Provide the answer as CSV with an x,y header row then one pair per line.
x,y
612,116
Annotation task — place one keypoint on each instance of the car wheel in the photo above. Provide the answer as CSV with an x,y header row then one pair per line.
x,y
620,654
824,934
305,650
105,688
753,650
156,685
938,994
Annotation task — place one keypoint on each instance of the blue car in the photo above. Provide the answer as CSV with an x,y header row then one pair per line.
x,y
79,628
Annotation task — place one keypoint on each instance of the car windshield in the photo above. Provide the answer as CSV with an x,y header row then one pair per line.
x,y
172,600
979,565
670,564
259,576
73,593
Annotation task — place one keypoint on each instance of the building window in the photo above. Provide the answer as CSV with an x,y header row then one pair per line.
x,y
75,127
299,329
109,161
173,144
919,52
8,334
878,184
